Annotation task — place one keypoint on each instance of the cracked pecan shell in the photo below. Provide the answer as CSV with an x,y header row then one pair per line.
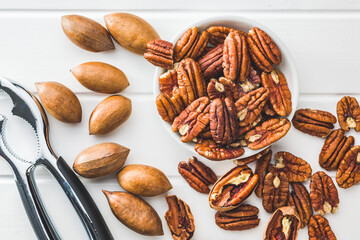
x,y
250,159
241,218
261,169
223,88
232,189
268,132
319,228
169,107
218,34
179,219
334,149
168,81
211,62
209,149
314,122
323,193
348,173
197,174
192,120
300,199
348,113
275,191
160,53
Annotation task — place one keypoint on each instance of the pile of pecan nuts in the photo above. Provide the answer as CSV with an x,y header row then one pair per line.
x,y
221,89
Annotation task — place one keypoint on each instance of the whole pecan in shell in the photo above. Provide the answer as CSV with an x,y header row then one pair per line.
x,y
179,218
223,88
300,199
275,191
197,174
168,81
323,193
348,112
334,149
319,228
160,53
232,189
348,173
241,218
261,169
169,107
211,62
218,34
268,132
314,122
209,149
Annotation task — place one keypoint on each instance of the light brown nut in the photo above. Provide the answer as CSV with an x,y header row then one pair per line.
x,y
130,31
250,159
300,199
319,228
160,53
334,149
179,219
211,63
197,174
268,110
169,107
348,113
86,33
251,83
236,60
213,151
168,82
348,173
241,218
109,114
100,160
323,193
268,132
223,88
244,130
263,50
314,122
233,188
261,169
275,191
135,213
59,101
218,34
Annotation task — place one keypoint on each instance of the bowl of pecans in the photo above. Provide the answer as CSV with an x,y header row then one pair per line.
x,y
224,87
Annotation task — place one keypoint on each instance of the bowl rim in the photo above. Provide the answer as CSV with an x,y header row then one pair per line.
x,y
236,19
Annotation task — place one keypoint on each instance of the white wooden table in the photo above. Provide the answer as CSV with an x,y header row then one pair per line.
x,y
322,35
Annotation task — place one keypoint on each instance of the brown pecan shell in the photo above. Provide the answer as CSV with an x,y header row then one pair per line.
x,y
348,113
348,173
261,169
319,228
168,81
218,34
275,191
213,151
160,53
300,199
211,63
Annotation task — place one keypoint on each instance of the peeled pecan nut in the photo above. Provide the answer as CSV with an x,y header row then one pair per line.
x,y
223,88
295,168
206,133
250,159
160,53
213,151
233,188
244,130
192,120
314,122
197,174
323,193
261,168
283,225
191,44
236,60
348,112
268,132
348,173
179,219
268,110
263,50
168,81
319,228
275,191
223,124
218,34
169,107
241,218
335,147
250,106
211,62
251,83
190,80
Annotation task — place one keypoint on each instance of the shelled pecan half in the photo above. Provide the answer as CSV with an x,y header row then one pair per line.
x,y
323,193
314,122
275,191
179,219
168,81
223,88
160,53
334,149
241,218
283,225
197,174
252,158
300,199
233,188
319,228
209,149
268,110
169,107
348,112
244,130
348,173
261,169
211,63
218,34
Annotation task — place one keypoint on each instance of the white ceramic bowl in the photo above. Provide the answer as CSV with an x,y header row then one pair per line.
x,y
287,66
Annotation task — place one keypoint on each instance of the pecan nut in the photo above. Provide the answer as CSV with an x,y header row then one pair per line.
x,y
319,228
314,122
280,95
348,112
348,173
334,149
268,110
323,193
300,199
236,60
223,88
268,132
241,218
218,34
160,53
168,81
251,83
169,107
213,151
244,130
250,159
263,51
232,189
261,168
192,120
198,175
179,218
211,62
275,191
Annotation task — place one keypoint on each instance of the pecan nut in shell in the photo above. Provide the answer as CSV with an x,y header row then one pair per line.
x,y
160,53
261,169
348,113
211,63
348,173
209,149
275,191
319,228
